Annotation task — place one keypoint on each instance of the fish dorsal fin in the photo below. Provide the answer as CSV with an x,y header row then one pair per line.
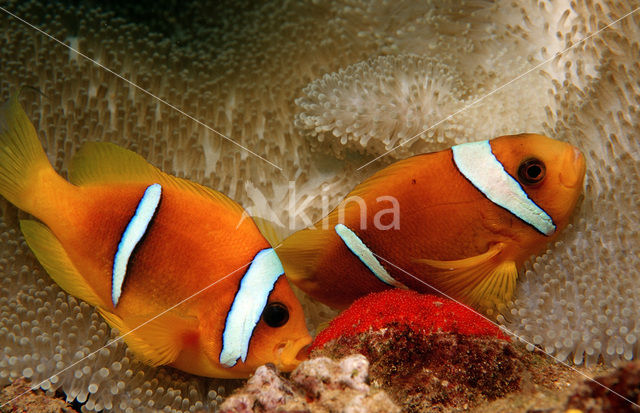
x,y
481,281
101,162
104,162
155,341
301,250
56,262
362,189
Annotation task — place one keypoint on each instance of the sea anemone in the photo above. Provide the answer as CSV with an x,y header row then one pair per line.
x,y
566,69
240,67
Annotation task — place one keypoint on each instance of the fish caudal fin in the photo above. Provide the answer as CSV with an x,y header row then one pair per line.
x,y
56,262
482,281
23,163
300,253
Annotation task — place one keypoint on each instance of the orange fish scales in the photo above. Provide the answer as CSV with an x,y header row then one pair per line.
x,y
459,222
178,268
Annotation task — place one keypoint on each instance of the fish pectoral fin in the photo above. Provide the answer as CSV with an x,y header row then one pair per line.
x,y
104,162
56,262
498,287
155,341
480,281
465,263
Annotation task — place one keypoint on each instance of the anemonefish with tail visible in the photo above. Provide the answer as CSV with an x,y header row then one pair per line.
x,y
169,263
460,222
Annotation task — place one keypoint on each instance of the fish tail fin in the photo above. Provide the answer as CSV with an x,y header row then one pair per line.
x,y
300,253
24,165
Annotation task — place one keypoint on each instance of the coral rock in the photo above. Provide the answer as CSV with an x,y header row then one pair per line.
x,y
429,352
599,398
317,385
18,397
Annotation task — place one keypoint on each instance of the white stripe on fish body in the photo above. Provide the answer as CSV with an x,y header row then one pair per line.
x,y
479,165
249,303
364,254
133,233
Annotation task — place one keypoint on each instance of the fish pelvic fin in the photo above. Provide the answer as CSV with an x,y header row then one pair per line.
x,y
483,281
99,163
49,251
25,170
155,340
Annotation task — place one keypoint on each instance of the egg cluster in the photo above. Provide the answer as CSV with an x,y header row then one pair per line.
x,y
580,299
301,83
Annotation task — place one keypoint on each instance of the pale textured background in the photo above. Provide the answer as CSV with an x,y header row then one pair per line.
x,y
320,88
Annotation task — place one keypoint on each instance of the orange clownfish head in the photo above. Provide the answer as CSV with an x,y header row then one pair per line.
x,y
551,172
263,323
281,335
537,179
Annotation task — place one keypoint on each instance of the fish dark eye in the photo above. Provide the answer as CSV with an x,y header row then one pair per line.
x,y
275,314
531,171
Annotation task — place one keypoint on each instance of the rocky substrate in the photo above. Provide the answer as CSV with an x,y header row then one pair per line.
x,y
318,385
427,354
399,351
599,396
18,397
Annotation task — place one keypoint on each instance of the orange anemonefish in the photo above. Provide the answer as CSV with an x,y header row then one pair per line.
x,y
135,242
462,221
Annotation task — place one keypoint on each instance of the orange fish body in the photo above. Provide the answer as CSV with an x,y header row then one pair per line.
x,y
422,224
169,263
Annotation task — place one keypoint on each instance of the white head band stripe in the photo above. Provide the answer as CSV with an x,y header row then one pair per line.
x,y
479,165
248,305
364,254
133,233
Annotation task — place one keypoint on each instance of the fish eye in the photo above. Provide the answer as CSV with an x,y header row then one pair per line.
x,y
275,314
531,171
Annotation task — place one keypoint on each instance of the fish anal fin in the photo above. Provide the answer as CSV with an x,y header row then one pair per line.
x,y
482,281
56,262
103,162
154,340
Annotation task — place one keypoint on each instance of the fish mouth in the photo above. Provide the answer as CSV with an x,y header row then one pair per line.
x,y
573,168
292,352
